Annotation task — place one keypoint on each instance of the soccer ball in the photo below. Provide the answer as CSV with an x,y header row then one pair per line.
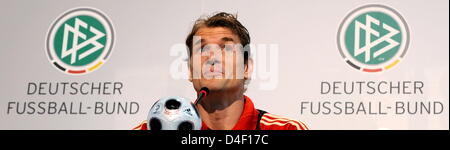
x,y
173,113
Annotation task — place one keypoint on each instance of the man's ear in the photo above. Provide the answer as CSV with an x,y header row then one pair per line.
x,y
190,69
248,69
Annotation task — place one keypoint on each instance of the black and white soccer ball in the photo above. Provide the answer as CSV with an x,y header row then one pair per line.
x,y
173,113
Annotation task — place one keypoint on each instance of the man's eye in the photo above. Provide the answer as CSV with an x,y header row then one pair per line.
x,y
204,48
228,48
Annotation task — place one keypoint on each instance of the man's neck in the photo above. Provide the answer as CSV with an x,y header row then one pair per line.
x,y
221,111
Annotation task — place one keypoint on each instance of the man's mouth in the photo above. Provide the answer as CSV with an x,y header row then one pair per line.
x,y
213,71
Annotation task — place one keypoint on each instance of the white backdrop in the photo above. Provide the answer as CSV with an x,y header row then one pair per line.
x,y
304,31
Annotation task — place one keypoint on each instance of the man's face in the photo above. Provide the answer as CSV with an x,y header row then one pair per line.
x,y
217,60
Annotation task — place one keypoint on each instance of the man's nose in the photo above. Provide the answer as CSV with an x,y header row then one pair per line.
x,y
214,56
212,61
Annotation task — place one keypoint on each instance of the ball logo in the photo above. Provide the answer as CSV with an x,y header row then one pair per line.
x,y
373,38
80,41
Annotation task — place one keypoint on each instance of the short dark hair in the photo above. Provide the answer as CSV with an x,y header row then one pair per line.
x,y
222,19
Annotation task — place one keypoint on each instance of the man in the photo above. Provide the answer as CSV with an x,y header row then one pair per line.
x,y
218,48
